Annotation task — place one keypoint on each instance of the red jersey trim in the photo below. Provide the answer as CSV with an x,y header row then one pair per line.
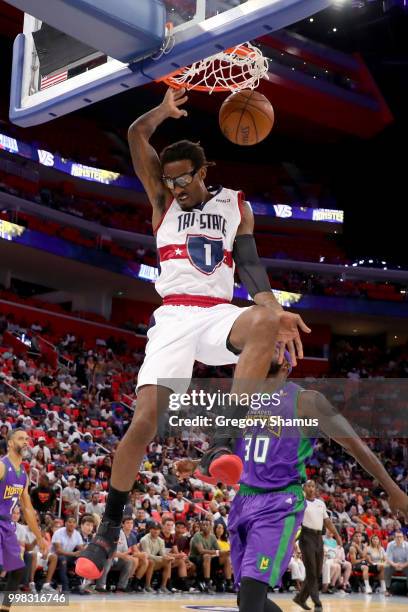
x,y
204,301
179,251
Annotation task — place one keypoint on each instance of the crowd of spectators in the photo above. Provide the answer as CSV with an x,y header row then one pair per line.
x,y
175,530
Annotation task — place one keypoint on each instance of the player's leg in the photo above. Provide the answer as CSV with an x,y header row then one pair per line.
x,y
14,578
170,355
253,597
246,336
273,521
126,462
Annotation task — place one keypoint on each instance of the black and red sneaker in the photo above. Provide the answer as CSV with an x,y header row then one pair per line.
x,y
91,562
219,464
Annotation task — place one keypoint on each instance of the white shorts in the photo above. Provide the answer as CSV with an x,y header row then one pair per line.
x,y
184,334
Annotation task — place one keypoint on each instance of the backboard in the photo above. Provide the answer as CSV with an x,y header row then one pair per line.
x,y
54,74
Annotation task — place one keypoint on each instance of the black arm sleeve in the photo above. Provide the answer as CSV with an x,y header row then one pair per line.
x,y
250,270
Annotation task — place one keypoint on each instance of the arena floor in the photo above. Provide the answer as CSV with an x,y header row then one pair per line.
x,y
219,603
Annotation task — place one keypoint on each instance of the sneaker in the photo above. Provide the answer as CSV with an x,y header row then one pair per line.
x,y
209,588
92,560
301,603
368,590
100,589
48,589
148,589
193,590
220,464
164,591
32,588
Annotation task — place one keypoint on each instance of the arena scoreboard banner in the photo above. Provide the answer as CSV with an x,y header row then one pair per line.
x,y
108,177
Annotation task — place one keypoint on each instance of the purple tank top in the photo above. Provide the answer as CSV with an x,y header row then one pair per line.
x,y
11,487
274,457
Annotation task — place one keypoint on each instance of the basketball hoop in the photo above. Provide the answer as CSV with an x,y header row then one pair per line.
x,y
234,69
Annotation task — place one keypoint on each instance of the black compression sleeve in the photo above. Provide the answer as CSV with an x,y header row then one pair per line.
x,y
250,270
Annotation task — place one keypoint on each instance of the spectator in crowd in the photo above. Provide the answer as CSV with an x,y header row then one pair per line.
x,y
345,569
178,558
358,559
71,496
41,446
331,569
123,562
89,457
206,555
87,527
397,559
141,558
153,545
43,496
296,567
95,506
182,537
66,543
177,504
376,560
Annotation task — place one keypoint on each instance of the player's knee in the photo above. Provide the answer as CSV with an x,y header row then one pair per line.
x,y
264,323
142,429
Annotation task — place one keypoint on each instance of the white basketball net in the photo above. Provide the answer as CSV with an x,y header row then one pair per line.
x,y
241,67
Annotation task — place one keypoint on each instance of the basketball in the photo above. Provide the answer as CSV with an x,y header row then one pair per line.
x,y
246,117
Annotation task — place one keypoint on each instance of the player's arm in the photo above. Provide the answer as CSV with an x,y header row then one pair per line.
x,y
313,404
329,525
253,274
30,517
146,162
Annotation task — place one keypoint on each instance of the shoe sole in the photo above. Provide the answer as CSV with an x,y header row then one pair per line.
x,y
87,569
227,469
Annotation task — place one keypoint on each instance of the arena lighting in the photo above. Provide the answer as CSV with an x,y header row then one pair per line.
x,y
311,20
334,29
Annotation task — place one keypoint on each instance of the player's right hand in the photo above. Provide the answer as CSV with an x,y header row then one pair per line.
x,y
172,101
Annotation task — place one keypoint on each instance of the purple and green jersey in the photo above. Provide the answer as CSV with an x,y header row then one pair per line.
x,y
267,512
274,455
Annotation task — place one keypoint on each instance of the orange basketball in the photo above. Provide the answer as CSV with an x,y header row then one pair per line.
x,y
246,117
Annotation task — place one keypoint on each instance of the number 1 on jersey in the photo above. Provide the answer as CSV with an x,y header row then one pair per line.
x,y
207,249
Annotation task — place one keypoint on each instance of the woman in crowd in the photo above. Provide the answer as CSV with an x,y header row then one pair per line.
x,y
376,559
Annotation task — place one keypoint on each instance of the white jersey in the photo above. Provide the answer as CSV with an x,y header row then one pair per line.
x,y
195,250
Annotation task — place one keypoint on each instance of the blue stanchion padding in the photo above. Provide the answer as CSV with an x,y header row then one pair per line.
x,y
193,43
126,30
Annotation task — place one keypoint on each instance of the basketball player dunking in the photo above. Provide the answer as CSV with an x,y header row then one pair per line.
x,y
201,235
268,509
13,491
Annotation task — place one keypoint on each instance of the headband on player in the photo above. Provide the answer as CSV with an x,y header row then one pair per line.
x,y
250,270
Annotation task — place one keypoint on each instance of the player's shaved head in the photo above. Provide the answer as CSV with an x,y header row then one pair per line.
x,y
13,432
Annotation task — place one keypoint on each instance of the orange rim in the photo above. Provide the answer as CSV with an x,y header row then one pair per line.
x,y
240,50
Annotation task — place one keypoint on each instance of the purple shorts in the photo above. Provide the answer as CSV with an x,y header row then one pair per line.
x,y
262,528
11,557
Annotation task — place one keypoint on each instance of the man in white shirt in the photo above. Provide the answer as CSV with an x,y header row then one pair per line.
x,y
94,506
311,545
90,458
177,504
397,558
71,495
66,543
